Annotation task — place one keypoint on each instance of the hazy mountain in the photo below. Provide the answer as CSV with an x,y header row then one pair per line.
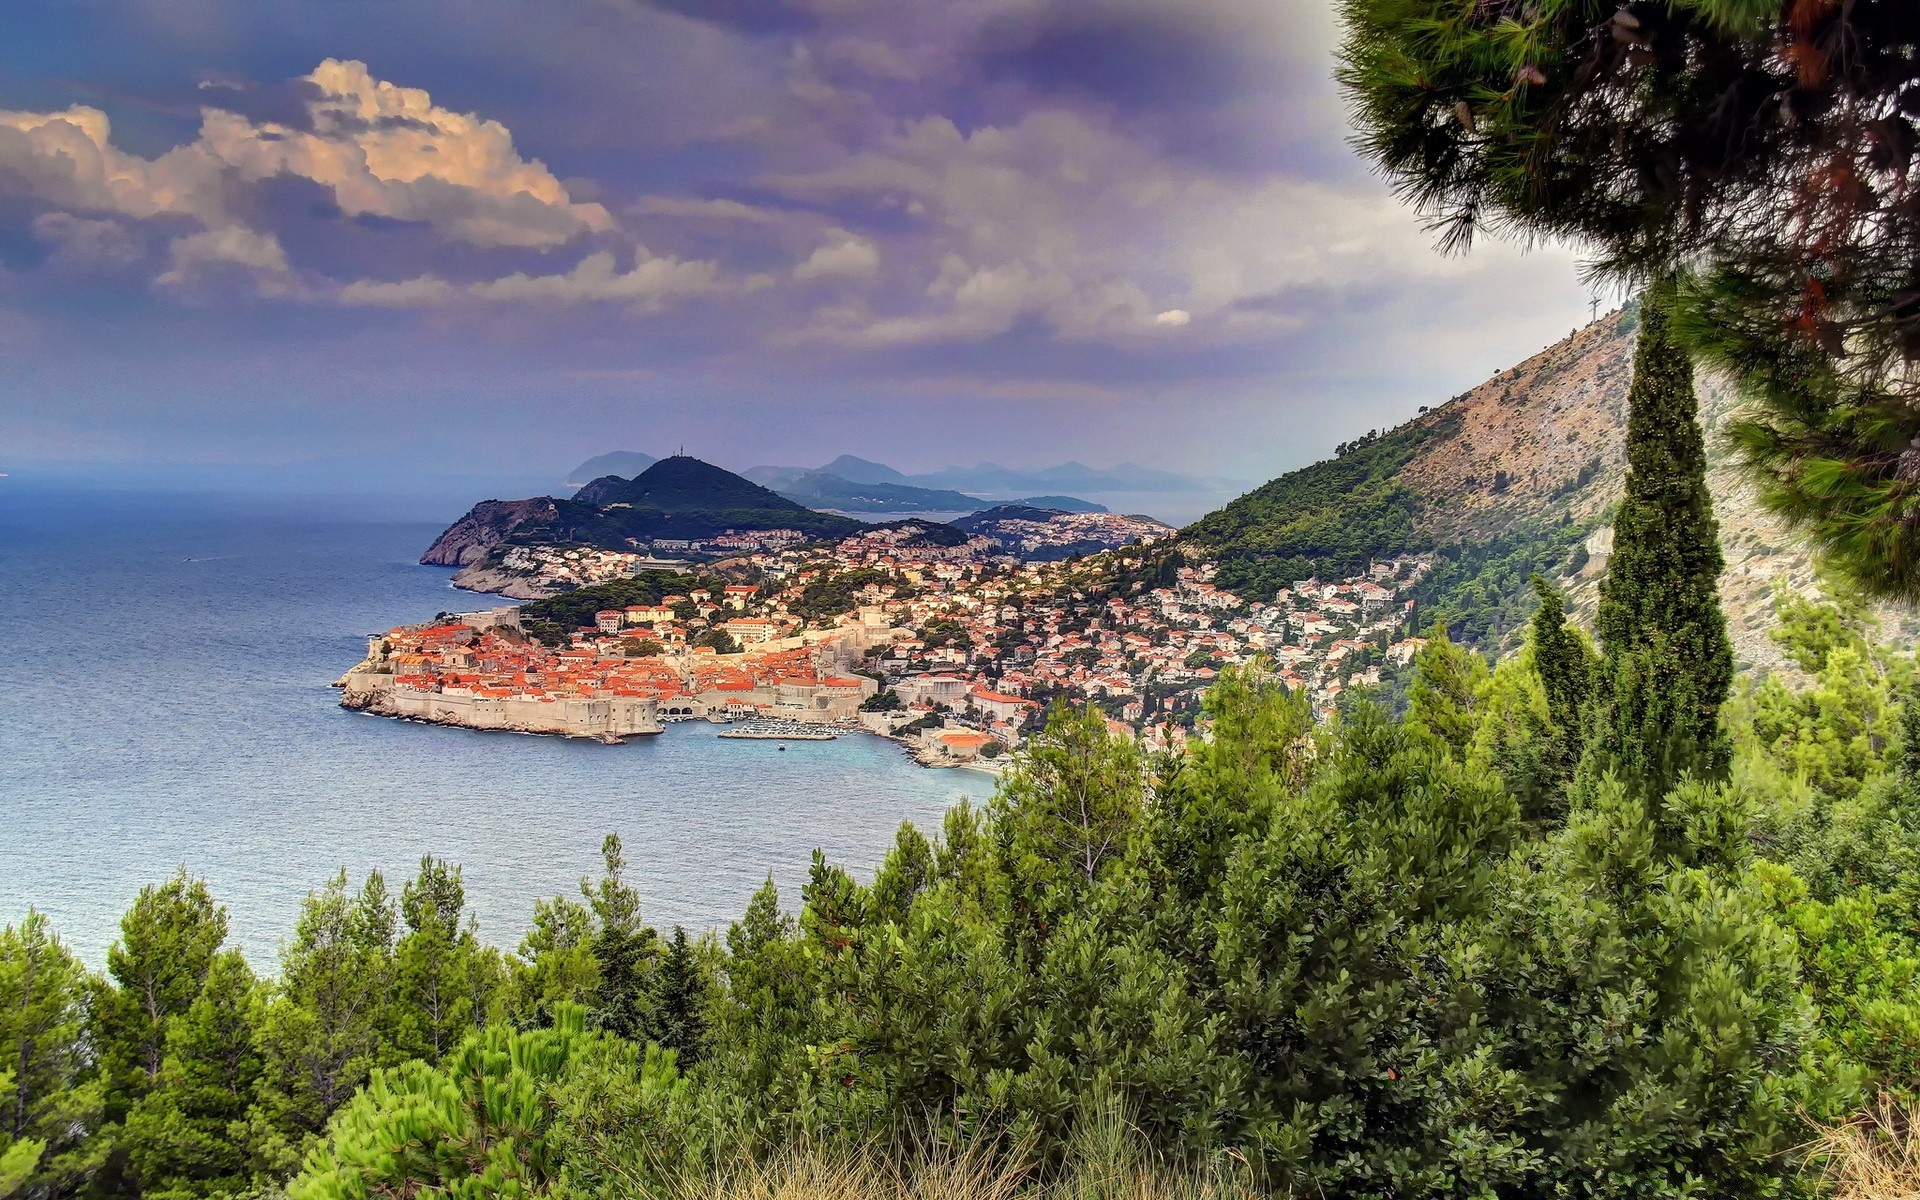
x,y
860,470
1071,504
1070,477
626,463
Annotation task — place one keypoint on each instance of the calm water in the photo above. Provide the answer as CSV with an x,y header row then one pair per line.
x,y
163,700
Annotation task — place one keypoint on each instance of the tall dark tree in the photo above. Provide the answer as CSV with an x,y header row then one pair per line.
x,y
680,1018
1668,666
183,1139
433,965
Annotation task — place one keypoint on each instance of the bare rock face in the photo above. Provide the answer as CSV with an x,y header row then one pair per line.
x,y
485,526
480,577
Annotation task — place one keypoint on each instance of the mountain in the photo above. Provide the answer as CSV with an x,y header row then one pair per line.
x,y
682,483
819,488
860,470
1072,504
678,498
1066,477
619,462
1516,475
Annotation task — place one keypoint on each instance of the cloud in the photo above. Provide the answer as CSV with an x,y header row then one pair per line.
x,y
82,246
1173,318
649,285
377,149
847,255
202,260
389,151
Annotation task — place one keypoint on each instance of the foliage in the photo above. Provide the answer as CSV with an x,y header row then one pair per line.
x,y
1328,519
717,640
575,609
838,593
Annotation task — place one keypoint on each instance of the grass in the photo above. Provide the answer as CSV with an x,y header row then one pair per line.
x,y
1875,1156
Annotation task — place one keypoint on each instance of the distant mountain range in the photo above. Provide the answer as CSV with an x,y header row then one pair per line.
x,y
677,498
858,485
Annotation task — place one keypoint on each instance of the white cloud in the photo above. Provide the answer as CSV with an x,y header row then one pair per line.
x,y
200,258
389,151
378,149
846,255
650,285
1174,318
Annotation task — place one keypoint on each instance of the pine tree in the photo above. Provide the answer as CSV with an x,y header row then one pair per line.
x,y
1065,813
184,1139
1443,702
624,947
54,1096
325,1031
433,965
1668,665
168,940
680,1021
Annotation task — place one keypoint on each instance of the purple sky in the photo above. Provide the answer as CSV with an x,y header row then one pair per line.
x,y
493,237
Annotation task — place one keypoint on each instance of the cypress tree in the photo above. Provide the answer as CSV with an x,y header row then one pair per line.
x,y
1668,665
1565,664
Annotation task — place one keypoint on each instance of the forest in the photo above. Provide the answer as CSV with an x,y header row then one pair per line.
x,y
1413,957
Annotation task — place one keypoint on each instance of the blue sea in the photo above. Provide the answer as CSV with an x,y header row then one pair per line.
x,y
164,702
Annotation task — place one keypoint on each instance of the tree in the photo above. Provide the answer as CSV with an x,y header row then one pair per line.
x,y
324,1033
482,1125
1065,812
54,1096
1669,666
1565,664
186,1137
719,640
1444,699
434,964
624,947
1765,148
168,940
680,1019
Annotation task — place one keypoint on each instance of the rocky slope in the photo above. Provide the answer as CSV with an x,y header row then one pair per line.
x,y
1543,443
486,525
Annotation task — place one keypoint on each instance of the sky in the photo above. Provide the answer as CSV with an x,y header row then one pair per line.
x,y
364,240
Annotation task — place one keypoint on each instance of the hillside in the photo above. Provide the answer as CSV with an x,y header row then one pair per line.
x,y
1516,475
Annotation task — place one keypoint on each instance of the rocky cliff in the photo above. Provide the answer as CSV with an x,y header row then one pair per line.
x,y
486,525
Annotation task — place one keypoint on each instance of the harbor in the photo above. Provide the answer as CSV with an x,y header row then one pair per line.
x,y
782,731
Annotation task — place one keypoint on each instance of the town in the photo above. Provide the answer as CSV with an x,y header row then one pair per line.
x,y
954,647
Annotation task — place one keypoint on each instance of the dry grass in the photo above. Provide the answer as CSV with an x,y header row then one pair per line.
x,y
1875,1156
1111,1161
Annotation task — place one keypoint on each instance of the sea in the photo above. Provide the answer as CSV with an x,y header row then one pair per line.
x,y
164,703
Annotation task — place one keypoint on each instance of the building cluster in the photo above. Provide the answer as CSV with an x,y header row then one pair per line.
x,y
958,649
482,663
1062,533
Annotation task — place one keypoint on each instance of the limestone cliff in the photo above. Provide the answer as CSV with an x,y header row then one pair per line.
x,y
486,525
